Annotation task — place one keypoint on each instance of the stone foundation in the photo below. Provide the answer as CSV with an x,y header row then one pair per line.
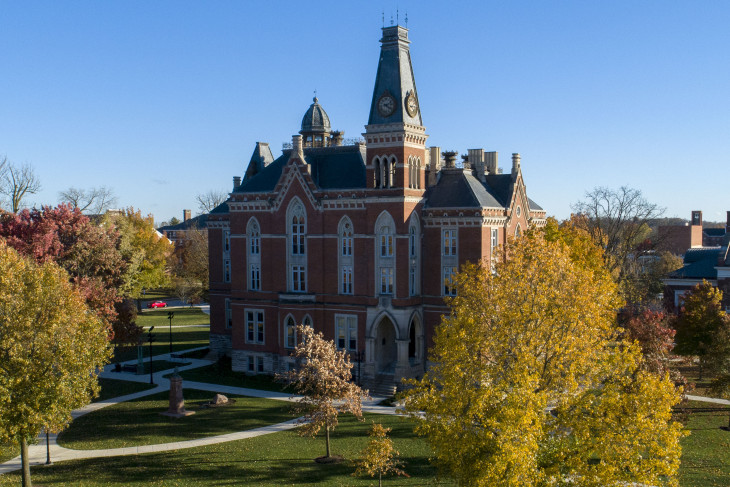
x,y
220,344
272,363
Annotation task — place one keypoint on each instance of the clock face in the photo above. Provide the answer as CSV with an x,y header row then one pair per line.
x,y
386,105
411,104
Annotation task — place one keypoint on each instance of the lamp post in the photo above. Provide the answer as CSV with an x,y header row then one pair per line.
x,y
151,339
170,315
48,449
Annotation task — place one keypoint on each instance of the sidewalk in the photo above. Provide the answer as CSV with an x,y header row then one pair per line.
x,y
37,453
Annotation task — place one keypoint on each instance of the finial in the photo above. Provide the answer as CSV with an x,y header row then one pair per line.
x,y
315,99
397,16
383,18
391,19
406,19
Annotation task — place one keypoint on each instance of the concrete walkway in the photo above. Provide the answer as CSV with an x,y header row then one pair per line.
x,y
37,453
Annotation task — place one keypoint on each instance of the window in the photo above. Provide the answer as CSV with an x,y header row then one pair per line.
x,y
229,314
226,241
297,235
386,242
254,326
449,284
519,211
297,257
254,239
386,280
290,331
412,241
346,332
298,278
250,364
412,281
518,231
347,279
346,239
227,270
254,277
495,240
260,364
449,242
253,233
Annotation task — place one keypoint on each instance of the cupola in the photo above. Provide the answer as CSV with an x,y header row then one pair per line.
x,y
315,126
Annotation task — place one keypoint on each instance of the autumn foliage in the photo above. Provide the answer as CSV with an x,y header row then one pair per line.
x,y
323,379
379,456
531,384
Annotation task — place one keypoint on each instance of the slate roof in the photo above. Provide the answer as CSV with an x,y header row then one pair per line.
x,y
315,119
459,189
699,264
714,232
199,221
260,158
340,167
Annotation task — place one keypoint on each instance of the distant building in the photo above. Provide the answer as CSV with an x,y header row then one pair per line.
x,y
678,238
176,233
359,238
709,263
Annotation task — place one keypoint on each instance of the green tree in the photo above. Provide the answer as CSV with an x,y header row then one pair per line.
x,y
142,248
324,382
189,261
51,348
700,320
530,378
379,456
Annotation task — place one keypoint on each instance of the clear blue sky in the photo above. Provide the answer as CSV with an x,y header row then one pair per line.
x,y
163,100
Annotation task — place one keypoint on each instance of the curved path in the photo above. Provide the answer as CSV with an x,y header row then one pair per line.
x,y
37,453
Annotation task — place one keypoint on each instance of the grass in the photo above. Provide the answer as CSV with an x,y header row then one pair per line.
x,y
139,422
705,458
221,373
159,365
182,339
114,388
279,459
154,294
183,317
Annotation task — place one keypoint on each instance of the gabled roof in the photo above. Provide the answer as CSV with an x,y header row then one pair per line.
x,y
457,188
699,263
340,167
260,158
199,221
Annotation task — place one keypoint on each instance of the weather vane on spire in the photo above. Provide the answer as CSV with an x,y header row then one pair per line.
x,y
406,19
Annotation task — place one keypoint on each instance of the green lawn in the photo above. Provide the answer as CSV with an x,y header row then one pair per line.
x,y
222,374
183,317
271,460
182,339
706,451
114,388
139,422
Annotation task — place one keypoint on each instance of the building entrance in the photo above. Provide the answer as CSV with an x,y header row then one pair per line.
x,y
386,351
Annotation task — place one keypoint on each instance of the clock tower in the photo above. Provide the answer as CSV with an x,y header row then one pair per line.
x,y
395,135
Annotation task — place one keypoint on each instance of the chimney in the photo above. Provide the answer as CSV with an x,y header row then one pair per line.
x,y
515,163
296,143
337,138
450,159
236,182
476,159
695,230
490,162
186,215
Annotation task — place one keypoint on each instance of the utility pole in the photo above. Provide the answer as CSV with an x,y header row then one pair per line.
x,y
151,339
170,315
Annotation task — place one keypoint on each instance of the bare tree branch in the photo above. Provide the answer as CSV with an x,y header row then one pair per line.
x,y
94,201
210,199
17,182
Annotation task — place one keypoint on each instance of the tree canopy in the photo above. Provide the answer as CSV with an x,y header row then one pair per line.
x,y
531,385
323,379
51,348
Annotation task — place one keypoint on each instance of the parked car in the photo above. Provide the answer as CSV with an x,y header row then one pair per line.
x,y
157,304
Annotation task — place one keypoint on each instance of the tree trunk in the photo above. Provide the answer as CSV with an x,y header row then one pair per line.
x,y
380,479
327,430
24,462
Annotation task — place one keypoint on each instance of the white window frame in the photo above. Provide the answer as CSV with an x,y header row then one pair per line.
x,y
449,286
229,314
226,270
387,281
346,332
385,255
290,330
449,242
346,277
254,277
298,276
296,218
255,326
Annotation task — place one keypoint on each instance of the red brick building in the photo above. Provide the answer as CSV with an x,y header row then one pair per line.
x,y
358,241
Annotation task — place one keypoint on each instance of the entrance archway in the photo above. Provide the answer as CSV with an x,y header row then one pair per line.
x,y
386,351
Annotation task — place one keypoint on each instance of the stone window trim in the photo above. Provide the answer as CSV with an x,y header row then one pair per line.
x,y
346,331
255,326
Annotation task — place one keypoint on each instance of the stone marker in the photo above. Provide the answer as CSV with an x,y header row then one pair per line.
x,y
177,403
219,399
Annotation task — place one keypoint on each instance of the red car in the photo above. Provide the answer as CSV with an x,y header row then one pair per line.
x,y
157,304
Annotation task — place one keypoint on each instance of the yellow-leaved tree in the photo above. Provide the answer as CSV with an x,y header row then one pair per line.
x,y
379,456
530,385
51,348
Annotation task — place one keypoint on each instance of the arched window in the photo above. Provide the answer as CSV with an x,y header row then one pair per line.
x,y
377,172
253,235
290,332
518,231
414,247
385,254
345,258
297,255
